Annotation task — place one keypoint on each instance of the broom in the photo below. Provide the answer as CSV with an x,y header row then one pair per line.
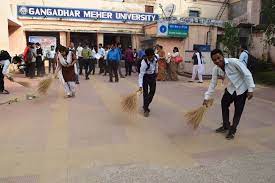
x,y
22,83
194,117
10,101
44,85
130,102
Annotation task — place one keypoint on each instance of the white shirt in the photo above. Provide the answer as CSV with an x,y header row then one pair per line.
x,y
51,54
101,51
239,78
79,52
244,57
5,64
143,70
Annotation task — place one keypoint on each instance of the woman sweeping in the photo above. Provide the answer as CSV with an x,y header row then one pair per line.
x,y
161,64
65,63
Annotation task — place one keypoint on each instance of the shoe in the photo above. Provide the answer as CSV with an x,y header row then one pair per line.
x,y
200,82
116,81
77,82
111,81
87,78
230,135
221,130
190,81
146,114
122,76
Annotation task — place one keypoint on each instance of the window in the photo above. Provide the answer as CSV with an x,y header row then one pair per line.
x,y
149,9
194,13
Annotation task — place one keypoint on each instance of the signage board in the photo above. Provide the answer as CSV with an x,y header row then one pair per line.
x,y
83,14
166,29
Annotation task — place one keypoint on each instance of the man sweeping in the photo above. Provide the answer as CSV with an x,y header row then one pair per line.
x,y
147,79
239,88
4,66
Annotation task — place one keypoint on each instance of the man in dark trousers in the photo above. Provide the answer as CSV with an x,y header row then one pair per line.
x,y
113,59
147,79
129,60
239,88
39,61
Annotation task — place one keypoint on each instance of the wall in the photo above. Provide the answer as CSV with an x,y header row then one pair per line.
x,y
17,41
4,33
258,50
208,9
245,11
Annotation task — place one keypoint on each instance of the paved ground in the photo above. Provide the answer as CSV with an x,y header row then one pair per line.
x,y
88,139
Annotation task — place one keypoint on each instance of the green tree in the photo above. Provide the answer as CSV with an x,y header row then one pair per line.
x,y
230,40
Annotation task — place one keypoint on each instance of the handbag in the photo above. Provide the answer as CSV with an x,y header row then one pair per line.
x,y
178,59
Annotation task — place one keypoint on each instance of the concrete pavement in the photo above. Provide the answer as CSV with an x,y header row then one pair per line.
x,y
88,138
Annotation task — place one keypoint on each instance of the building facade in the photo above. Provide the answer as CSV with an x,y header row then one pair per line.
x,y
246,14
105,21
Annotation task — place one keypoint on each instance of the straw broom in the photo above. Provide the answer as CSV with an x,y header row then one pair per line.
x,y
44,85
130,103
22,83
194,117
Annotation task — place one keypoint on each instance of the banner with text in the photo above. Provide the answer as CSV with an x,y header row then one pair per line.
x,y
166,29
84,14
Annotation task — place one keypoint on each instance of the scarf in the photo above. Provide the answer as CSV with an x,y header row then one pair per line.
x,y
64,61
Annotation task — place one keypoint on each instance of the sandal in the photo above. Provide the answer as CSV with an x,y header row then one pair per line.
x,y
6,92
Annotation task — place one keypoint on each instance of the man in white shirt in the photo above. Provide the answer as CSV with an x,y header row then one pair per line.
x,y
52,61
80,58
101,63
147,79
244,55
240,86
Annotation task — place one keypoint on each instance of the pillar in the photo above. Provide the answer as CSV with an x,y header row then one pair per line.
x,y
135,42
63,38
100,38
68,38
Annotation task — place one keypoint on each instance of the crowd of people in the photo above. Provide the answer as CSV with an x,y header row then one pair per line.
x,y
151,64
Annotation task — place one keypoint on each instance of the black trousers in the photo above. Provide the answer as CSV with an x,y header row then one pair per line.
x,y
32,70
106,67
113,67
27,69
149,89
39,66
128,67
81,65
239,103
52,64
2,88
101,65
88,67
93,63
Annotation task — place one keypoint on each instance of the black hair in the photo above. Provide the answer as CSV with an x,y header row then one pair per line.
x,y
38,44
149,52
244,47
198,50
100,44
176,49
215,51
63,49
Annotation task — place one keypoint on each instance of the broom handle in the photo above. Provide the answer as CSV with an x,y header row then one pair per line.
x,y
10,101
